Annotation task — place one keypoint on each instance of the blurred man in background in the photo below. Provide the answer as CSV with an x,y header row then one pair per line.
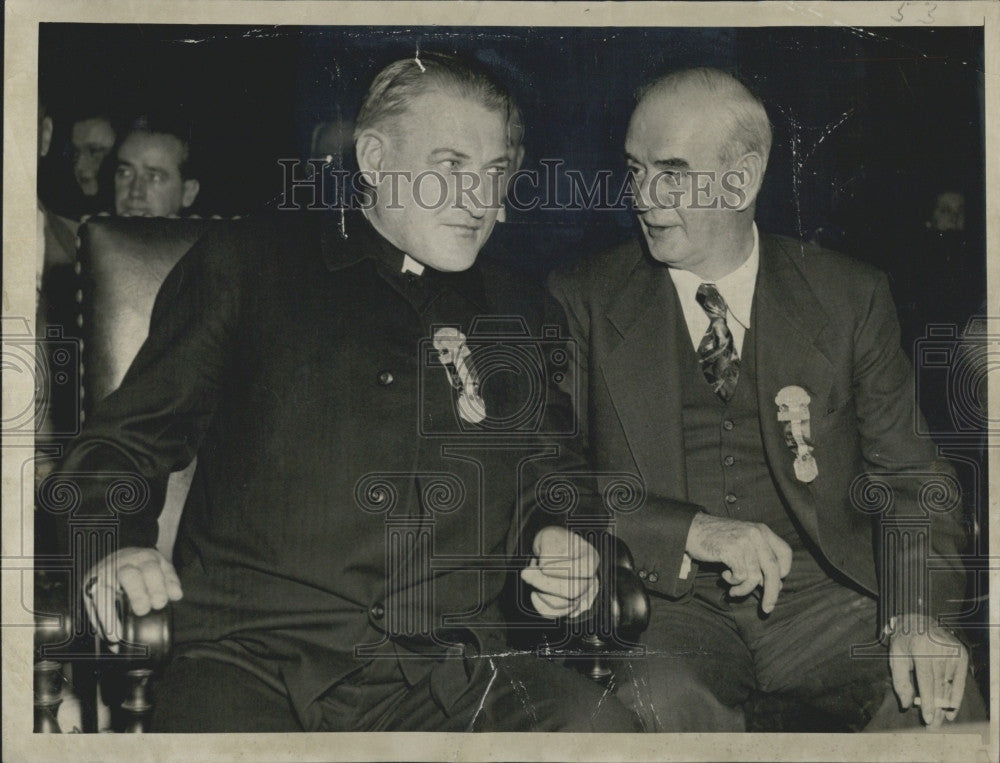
x,y
153,172
92,139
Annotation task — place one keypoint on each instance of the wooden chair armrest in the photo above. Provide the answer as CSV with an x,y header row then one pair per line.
x,y
628,607
145,646
149,635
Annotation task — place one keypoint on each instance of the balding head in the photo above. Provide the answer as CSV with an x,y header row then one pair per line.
x,y
697,146
744,119
387,103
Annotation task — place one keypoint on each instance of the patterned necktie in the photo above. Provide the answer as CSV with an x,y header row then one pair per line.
x,y
716,352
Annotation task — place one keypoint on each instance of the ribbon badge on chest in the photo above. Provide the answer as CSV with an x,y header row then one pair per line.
x,y
793,412
455,357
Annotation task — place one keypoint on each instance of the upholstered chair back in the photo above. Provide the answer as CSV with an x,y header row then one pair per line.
x,y
122,263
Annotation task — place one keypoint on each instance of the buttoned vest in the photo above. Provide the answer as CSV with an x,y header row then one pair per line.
x,y
727,472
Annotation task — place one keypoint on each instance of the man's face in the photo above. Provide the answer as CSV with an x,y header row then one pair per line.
x,y
148,180
949,212
92,140
673,152
443,170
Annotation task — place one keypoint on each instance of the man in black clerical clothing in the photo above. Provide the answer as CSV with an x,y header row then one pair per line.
x,y
319,368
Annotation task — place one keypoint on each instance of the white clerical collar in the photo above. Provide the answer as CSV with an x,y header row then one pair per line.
x,y
410,265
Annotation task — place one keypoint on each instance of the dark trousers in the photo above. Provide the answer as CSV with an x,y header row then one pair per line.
x,y
792,670
518,692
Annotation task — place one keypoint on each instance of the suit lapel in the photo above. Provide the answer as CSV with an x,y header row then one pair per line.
x,y
643,379
789,323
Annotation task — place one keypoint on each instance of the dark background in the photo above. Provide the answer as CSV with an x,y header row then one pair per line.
x,y
869,124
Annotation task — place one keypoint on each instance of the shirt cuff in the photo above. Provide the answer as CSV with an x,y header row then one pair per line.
x,y
685,567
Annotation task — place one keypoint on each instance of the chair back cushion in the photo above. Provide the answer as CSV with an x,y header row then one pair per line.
x,y
123,262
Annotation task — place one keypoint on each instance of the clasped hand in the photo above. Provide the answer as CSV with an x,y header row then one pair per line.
x,y
563,572
143,574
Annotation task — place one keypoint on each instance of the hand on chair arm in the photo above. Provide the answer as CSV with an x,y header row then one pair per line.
x,y
144,575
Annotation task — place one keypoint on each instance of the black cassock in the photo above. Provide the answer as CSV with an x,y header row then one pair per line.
x,y
341,507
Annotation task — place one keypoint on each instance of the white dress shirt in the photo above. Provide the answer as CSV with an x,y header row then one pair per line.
x,y
737,289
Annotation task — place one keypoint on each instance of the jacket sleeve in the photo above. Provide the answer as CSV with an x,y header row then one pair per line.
x,y
558,488
920,487
154,422
658,528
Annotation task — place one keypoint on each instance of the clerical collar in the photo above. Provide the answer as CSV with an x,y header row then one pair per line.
x,y
352,237
391,255
410,265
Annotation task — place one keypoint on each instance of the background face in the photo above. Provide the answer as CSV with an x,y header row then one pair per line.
x,y
92,141
148,179
444,161
949,212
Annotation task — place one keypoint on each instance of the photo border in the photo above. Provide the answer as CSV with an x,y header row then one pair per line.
x,y
19,177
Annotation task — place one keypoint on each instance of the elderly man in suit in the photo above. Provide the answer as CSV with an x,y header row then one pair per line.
x,y
761,382
354,510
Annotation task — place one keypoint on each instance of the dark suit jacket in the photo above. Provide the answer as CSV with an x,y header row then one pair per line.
x,y
290,360
822,322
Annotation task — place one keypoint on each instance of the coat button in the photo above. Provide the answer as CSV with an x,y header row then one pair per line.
x,y
385,378
730,498
729,460
728,425
653,577
377,611
642,574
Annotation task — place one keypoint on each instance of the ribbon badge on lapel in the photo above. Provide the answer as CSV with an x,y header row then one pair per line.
x,y
793,411
454,356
